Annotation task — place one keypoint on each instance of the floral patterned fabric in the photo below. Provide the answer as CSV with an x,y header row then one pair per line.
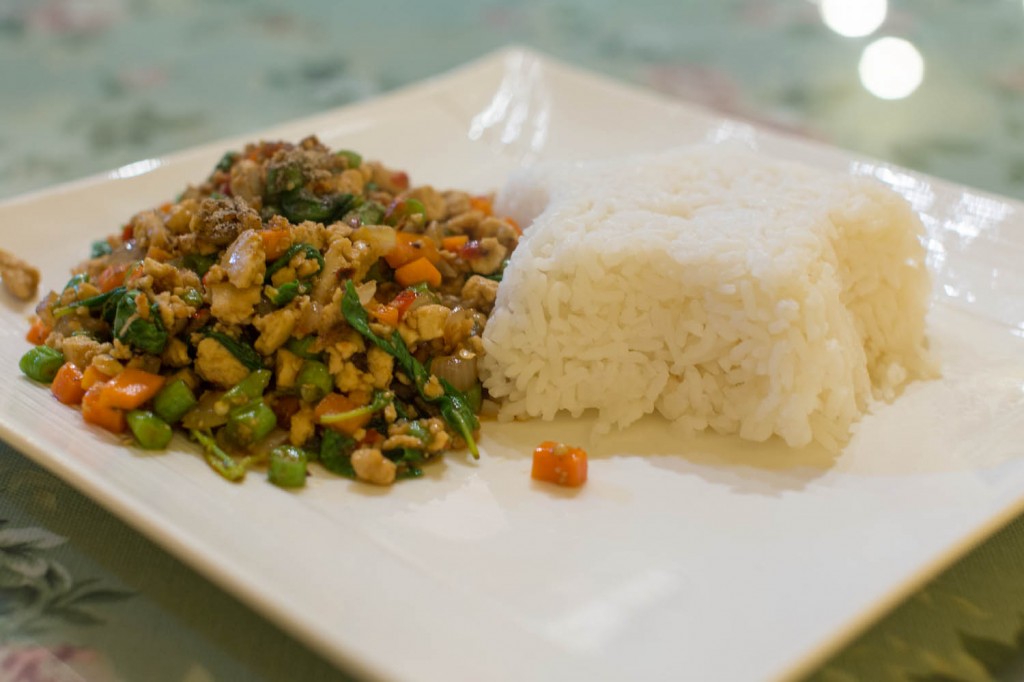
x,y
89,85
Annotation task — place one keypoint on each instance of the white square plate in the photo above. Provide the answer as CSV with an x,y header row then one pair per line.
x,y
708,559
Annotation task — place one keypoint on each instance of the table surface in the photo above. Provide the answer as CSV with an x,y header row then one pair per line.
x,y
92,85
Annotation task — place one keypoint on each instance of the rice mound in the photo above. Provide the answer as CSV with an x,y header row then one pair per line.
x,y
715,286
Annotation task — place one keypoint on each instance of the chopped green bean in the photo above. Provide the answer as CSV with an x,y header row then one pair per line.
x,y
247,390
352,159
173,401
314,381
41,363
221,462
249,423
287,466
150,431
281,179
301,346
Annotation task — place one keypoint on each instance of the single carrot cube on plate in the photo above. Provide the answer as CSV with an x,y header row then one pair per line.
x,y
560,464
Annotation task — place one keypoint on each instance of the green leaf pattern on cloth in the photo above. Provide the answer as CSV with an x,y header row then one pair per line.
x,y
37,591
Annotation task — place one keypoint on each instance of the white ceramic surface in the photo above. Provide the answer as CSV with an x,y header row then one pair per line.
x,y
710,559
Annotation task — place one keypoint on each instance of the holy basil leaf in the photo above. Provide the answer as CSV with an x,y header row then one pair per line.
x,y
242,351
453,405
300,205
336,452
309,250
145,334
100,247
199,263
98,302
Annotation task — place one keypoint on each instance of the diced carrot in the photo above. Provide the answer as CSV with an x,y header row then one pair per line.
x,y
67,384
112,277
276,242
408,247
419,270
481,203
454,242
130,389
166,207
336,403
92,376
560,464
104,416
385,314
38,332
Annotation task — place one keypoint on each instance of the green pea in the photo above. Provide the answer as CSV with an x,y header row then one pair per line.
x,y
250,423
41,363
287,466
192,297
314,381
151,432
173,401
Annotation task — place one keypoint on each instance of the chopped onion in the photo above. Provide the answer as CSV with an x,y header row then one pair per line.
x,y
366,290
460,372
458,326
381,238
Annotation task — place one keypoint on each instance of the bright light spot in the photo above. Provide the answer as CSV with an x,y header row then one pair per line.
x,y
853,18
137,168
891,68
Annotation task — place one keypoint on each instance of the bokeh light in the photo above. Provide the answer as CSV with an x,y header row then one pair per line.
x,y
891,68
853,18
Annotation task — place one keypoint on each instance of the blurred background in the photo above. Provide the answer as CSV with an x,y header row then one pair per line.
x,y
90,85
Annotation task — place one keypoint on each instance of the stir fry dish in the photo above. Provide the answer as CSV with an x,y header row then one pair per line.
x,y
299,305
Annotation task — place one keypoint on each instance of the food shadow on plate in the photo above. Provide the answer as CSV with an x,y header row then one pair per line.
x,y
769,468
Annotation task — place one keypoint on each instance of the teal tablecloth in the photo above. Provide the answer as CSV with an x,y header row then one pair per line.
x,y
88,85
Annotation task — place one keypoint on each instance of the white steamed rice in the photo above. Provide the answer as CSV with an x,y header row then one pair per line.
x,y
715,286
